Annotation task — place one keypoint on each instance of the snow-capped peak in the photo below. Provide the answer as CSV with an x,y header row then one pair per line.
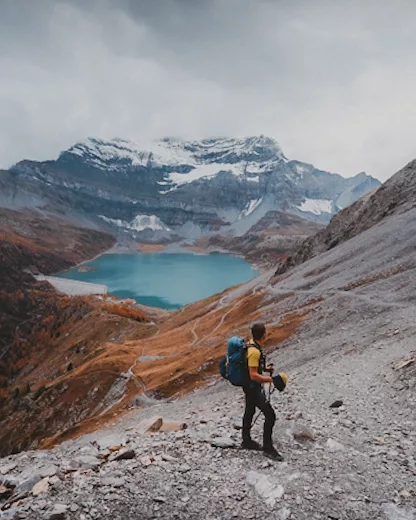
x,y
238,153
118,153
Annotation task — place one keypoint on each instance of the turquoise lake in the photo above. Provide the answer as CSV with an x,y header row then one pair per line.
x,y
167,280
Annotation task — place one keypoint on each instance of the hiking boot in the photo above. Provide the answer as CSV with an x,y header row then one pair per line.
x,y
251,445
272,453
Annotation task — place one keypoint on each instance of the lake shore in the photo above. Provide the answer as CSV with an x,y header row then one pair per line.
x,y
180,247
157,277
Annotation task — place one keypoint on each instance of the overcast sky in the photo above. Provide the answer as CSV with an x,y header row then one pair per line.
x,y
334,81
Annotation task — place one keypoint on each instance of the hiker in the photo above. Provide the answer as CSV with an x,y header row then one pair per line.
x,y
255,395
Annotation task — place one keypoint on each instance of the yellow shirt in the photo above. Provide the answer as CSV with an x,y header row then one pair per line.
x,y
253,357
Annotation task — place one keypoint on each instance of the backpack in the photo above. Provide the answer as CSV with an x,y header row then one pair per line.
x,y
233,366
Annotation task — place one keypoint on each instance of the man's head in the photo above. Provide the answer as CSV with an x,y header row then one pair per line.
x,y
258,331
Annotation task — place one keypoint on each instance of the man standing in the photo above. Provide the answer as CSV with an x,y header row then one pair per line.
x,y
255,396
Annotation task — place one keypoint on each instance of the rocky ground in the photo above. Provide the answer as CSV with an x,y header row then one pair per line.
x,y
352,461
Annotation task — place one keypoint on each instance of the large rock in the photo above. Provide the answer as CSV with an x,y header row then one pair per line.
x,y
109,441
85,462
26,486
124,454
48,471
59,512
113,481
223,442
5,492
149,425
172,426
7,468
41,487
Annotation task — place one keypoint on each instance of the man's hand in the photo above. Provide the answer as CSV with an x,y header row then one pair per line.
x,y
255,376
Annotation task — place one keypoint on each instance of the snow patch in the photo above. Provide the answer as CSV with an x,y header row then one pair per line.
x,y
114,221
205,171
251,206
139,223
301,169
316,206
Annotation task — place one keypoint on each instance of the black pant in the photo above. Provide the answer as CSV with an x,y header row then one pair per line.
x,y
255,397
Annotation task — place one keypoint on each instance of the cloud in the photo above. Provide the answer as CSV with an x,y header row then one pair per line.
x,y
333,81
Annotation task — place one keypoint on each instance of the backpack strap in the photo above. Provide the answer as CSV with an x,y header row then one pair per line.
x,y
262,361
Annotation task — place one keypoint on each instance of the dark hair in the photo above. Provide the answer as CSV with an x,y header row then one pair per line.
x,y
258,330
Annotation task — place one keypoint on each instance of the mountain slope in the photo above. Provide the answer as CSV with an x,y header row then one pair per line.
x,y
44,335
397,195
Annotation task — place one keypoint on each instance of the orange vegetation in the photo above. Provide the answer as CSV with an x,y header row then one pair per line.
x,y
124,310
190,344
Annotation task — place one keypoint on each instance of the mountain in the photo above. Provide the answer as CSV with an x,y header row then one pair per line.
x,y
172,188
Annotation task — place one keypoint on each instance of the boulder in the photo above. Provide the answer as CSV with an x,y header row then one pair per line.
x,y
152,424
109,441
113,481
7,468
124,454
223,442
393,512
26,486
5,492
86,462
58,512
172,426
48,471
41,487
